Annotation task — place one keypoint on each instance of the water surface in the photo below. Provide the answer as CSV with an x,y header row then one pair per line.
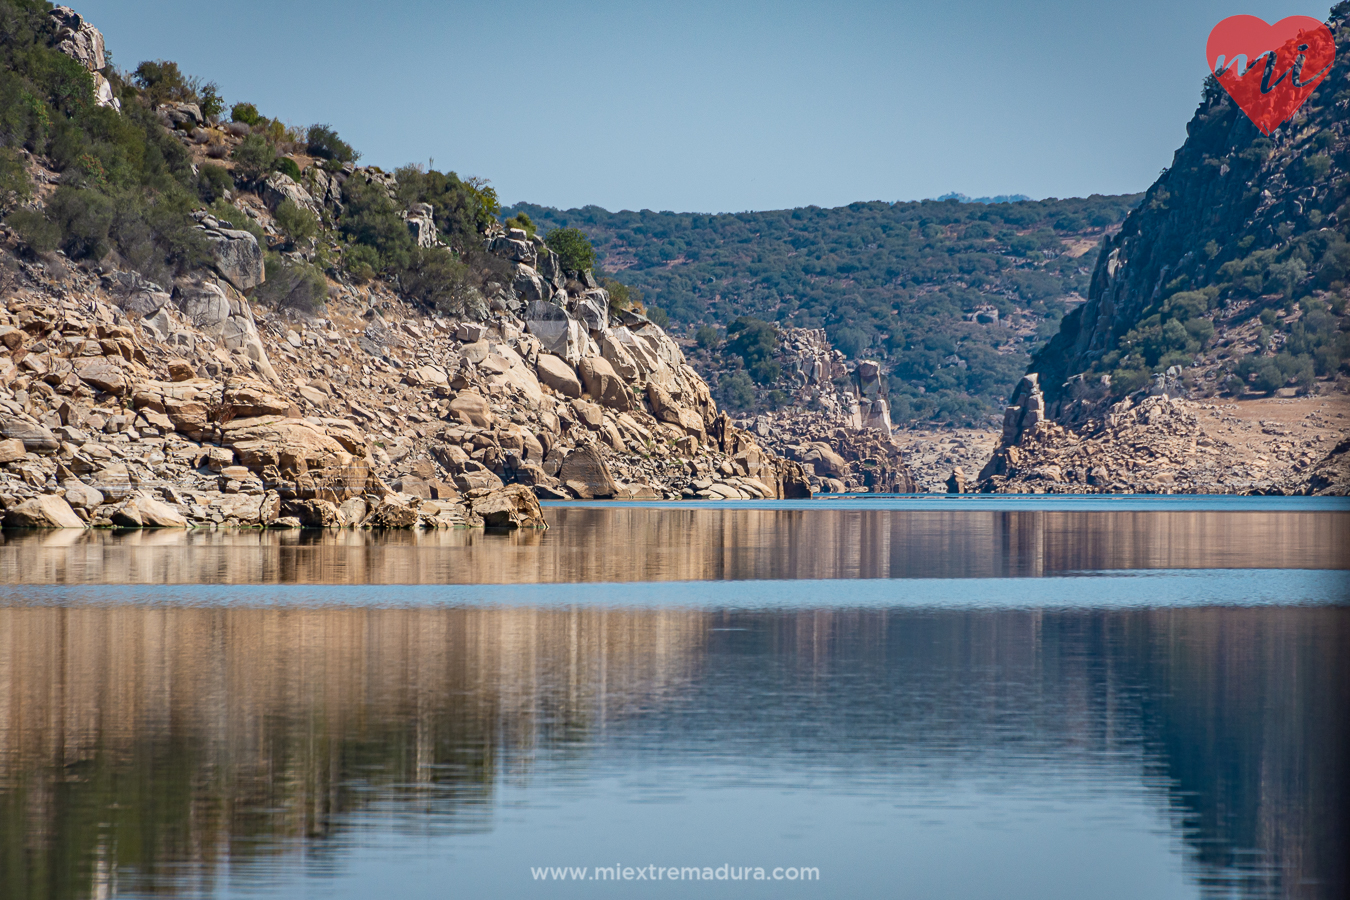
x,y
923,701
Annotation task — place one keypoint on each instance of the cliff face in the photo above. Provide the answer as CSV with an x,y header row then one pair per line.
x,y
1237,224
1230,279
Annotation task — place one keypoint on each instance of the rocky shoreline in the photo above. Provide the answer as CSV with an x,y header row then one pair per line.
x,y
1153,443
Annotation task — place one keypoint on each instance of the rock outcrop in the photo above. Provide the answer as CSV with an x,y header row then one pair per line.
x,y
126,405
83,43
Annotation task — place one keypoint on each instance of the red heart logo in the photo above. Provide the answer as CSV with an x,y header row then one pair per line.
x,y
1269,70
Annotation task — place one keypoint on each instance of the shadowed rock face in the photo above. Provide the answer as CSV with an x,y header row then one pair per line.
x,y
1227,185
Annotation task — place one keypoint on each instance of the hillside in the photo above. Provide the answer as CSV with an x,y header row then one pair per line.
x,y
951,297
1235,265
1230,282
227,321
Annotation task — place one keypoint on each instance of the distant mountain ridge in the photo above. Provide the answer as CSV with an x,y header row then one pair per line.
x,y
1000,198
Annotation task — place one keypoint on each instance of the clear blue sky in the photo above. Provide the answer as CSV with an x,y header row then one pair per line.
x,y
716,106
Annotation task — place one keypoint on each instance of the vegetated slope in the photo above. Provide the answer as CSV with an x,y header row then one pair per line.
x,y
1235,265
951,296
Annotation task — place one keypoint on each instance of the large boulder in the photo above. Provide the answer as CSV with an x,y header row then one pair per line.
x,y
422,225
35,438
586,474
12,449
516,248
558,333
592,308
246,398
513,506
46,511
102,372
557,374
825,461
472,409
77,39
619,357
280,187
156,513
529,285
604,384
393,512
292,445
236,255
224,315
314,513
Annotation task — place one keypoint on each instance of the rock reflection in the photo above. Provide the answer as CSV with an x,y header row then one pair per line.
x,y
642,544
152,750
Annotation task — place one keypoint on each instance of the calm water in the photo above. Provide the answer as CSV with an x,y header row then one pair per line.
x,y
987,699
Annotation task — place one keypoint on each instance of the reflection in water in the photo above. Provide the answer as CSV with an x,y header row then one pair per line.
x,y
643,544
151,749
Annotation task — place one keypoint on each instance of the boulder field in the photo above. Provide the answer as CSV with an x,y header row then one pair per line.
x,y
129,404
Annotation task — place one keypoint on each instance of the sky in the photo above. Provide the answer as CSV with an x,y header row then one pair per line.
x,y
718,106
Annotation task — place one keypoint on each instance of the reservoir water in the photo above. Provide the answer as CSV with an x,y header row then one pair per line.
x,y
879,697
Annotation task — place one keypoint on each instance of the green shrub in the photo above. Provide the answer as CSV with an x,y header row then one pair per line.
x,y
369,217
707,337
849,340
297,224
737,390
1128,380
15,188
462,208
361,262
754,341
288,167
246,113
522,221
575,253
622,296
254,158
435,278
212,182
161,82
658,317
291,286
35,229
209,101
1316,167
323,142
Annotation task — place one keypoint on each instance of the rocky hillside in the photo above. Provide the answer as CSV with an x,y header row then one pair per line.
x,y
1233,269
1230,282
266,379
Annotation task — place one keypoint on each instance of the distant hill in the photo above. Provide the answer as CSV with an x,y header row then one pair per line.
x,y
1001,198
951,296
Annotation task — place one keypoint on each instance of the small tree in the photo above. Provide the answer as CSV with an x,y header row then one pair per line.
x,y
298,224
754,341
162,82
212,182
254,158
522,221
324,143
707,337
575,253
246,113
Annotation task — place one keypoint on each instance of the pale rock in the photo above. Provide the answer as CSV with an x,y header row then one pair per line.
x,y
45,511
558,375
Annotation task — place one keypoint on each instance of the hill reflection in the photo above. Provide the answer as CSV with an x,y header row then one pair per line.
x,y
151,749
644,544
